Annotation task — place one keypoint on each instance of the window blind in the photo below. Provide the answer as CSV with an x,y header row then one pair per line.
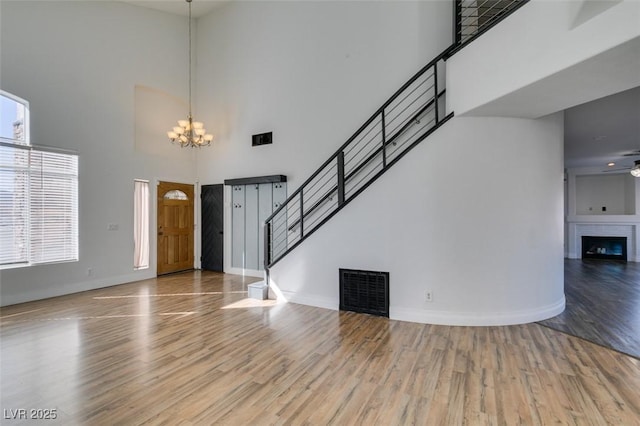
x,y
38,194
38,206
53,185
14,206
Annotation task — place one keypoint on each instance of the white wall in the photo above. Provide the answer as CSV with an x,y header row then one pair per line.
x,y
78,64
593,192
632,194
310,72
546,57
483,229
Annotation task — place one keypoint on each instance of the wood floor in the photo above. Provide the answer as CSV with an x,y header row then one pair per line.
x,y
191,349
603,304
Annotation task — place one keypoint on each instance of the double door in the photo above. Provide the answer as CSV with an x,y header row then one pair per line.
x,y
251,205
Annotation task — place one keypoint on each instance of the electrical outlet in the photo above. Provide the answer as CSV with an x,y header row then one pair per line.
x,y
428,296
112,227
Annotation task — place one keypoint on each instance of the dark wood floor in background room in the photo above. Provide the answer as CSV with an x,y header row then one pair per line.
x,y
603,304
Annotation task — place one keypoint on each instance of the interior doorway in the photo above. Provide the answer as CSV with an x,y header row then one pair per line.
x,y
175,227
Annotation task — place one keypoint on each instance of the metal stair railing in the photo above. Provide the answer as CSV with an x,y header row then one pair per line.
x,y
410,115
415,111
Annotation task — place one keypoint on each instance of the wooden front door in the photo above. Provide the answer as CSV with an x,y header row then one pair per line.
x,y
175,227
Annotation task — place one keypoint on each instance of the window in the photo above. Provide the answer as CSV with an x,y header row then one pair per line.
x,y
14,122
140,224
38,194
175,194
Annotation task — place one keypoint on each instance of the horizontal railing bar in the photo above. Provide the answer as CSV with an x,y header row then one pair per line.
x,y
352,146
321,178
467,6
410,104
365,186
374,169
484,28
431,63
409,94
416,76
316,205
407,122
488,12
364,163
323,196
491,8
413,118
374,139
401,147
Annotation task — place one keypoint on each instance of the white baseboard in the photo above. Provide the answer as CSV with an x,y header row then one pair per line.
x,y
478,318
442,317
318,302
55,291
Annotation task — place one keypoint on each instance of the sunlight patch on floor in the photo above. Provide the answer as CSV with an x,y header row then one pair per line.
x,y
251,303
135,296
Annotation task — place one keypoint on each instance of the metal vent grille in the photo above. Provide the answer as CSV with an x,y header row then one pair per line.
x,y
364,291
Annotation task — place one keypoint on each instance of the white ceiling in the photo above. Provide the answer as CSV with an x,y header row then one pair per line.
x,y
603,131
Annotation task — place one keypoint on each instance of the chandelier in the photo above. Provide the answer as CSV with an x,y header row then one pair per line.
x,y
188,132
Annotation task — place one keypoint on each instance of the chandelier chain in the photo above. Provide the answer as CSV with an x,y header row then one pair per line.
x,y
190,133
189,1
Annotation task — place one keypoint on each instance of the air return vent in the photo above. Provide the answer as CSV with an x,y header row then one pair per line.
x,y
364,291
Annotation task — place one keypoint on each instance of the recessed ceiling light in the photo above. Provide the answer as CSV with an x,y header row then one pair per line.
x,y
611,164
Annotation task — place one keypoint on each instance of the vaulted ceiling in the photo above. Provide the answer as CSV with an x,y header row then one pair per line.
x,y
596,133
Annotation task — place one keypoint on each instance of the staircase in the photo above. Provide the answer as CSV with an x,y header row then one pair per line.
x,y
410,115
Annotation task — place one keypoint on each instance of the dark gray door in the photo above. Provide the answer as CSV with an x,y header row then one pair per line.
x,y
212,227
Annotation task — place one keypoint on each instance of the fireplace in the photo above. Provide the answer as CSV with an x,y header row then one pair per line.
x,y
614,248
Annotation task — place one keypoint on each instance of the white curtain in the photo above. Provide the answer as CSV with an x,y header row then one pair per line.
x,y
141,224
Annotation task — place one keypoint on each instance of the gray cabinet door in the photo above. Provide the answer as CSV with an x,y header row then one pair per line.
x,y
279,194
251,205
251,227
237,226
